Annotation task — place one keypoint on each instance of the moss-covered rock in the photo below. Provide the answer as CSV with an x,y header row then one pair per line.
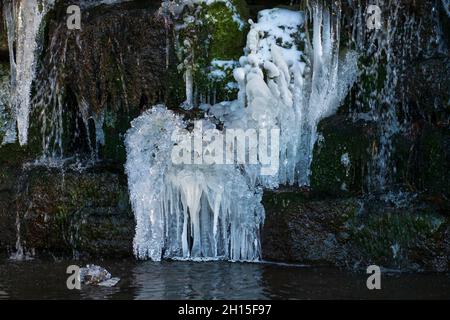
x,y
229,24
99,78
394,230
345,152
210,40
435,173
72,213
341,155
303,229
404,240
421,160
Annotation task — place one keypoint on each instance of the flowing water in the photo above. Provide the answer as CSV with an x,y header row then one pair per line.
x,y
41,279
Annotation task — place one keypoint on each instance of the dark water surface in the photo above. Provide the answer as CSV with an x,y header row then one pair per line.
x,y
43,279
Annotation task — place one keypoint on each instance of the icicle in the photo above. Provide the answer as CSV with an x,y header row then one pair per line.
x,y
189,210
8,12
189,80
212,205
23,21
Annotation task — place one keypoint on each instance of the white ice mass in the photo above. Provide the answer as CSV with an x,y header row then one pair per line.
x,y
23,19
215,211
187,211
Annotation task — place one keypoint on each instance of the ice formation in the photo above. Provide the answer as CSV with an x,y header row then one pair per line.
x,y
23,20
284,86
187,211
214,211
4,103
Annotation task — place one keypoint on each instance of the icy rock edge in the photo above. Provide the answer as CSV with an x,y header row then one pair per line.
x,y
209,212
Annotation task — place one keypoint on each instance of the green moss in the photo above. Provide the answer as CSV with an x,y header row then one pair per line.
x,y
435,172
115,126
228,36
383,238
339,136
423,163
214,34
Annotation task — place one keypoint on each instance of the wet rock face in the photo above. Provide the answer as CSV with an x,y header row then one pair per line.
x,y
109,71
357,232
418,110
300,229
429,91
423,160
64,213
118,59
72,213
3,37
341,156
343,152
7,195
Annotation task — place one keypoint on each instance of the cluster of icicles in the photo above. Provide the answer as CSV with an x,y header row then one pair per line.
x,y
197,211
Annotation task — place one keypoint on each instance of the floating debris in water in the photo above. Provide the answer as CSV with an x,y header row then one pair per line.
x,y
97,276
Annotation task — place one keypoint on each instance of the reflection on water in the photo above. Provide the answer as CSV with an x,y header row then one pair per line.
x,y
207,280
212,280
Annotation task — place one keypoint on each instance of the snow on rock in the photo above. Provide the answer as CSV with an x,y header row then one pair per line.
x,y
280,85
197,211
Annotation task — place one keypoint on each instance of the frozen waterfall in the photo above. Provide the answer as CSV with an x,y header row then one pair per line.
x,y
187,211
23,19
214,211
